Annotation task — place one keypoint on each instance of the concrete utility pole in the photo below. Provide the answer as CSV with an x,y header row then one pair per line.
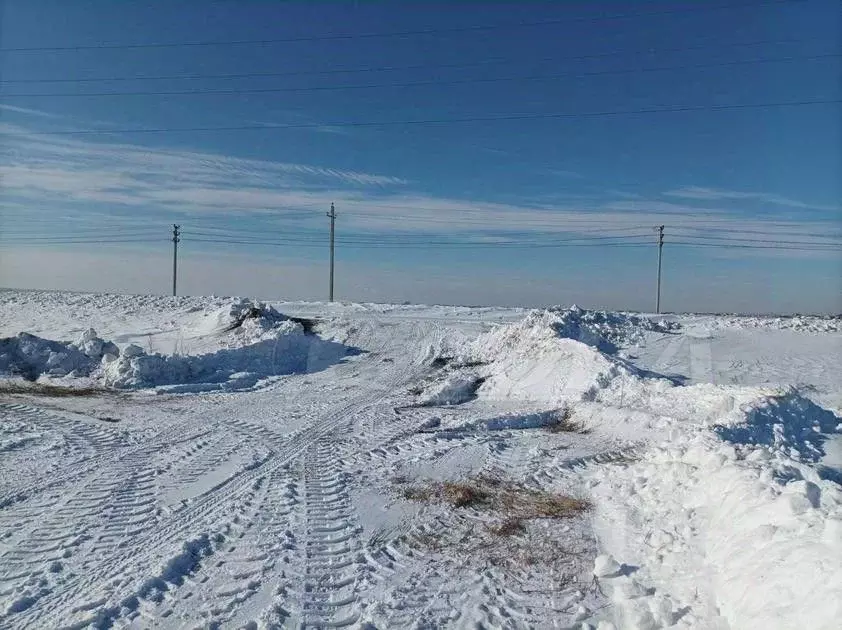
x,y
175,240
332,215
660,229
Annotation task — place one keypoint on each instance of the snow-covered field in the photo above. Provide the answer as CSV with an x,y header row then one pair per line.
x,y
230,464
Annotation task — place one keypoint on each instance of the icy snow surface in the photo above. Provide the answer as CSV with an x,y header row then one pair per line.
x,y
232,464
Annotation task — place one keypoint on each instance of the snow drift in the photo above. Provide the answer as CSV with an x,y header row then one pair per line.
x,y
554,357
245,320
262,343
29,356
288,351
741,527
455,389
604,330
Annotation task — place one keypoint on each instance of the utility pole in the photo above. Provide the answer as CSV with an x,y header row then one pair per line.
x,y
660,229
332,215
175,240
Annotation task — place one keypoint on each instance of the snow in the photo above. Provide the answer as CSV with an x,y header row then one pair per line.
x,y
550,357
741,529
453,390
263,343
265,485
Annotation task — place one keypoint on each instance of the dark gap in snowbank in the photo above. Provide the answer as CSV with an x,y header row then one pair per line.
x,y
308,325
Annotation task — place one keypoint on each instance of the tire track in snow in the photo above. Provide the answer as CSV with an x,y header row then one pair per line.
x,y
107,510
332,546
109,590
276,546
32,565
73,604
240,568
83,442
666,363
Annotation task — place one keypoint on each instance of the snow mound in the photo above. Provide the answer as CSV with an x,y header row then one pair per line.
x,y
247,320
30,356
605,330
270,345
536,360
287,350
507,422
730,514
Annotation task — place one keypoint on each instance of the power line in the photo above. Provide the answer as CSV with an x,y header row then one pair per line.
x,y
401,241
417,245
215,231
401,238
244,236
82,241
469,245
407,33
732,246
491,61
39,236
716,230
716,239
568,225
411,84
438,121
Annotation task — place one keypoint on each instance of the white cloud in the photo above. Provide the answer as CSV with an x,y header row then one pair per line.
x,y
52,175
28,111
710,194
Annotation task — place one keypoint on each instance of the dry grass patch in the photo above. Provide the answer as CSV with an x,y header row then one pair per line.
x,y
462,494
52,391
501,498
417,493
495,522
524,503
564,423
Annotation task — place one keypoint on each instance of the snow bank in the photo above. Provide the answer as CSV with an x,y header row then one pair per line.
x,y
790,424
264,343
804,323
248,321
287,351
30,356
507,422
605,330
550,357
727,516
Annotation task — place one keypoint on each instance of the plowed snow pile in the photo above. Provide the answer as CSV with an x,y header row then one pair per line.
x,y
727,512
29,356
261,343
557,356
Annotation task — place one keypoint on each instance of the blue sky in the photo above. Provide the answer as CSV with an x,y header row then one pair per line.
x,y
525,211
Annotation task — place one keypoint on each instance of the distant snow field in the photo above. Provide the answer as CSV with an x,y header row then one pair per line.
x,y
225,463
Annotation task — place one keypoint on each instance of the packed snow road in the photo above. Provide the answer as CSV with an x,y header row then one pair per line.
x,y
218,463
